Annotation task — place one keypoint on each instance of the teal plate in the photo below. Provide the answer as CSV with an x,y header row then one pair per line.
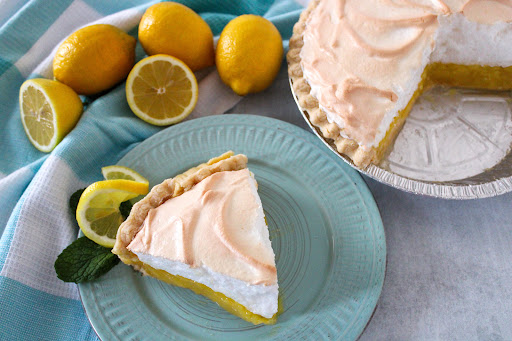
x,y
324,225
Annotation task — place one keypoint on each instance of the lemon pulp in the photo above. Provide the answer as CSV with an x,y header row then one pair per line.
x,y
103,212
49,110
38,116
152,82
161,90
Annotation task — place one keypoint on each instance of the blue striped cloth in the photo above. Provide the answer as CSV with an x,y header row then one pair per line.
x,y
35,222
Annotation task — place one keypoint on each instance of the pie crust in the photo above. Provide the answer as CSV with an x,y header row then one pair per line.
x,y
359,155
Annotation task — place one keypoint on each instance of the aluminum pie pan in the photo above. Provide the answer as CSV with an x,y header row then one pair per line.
x,y
475,160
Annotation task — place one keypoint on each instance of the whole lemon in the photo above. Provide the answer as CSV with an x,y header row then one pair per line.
x,y
249,54
94,58
174,29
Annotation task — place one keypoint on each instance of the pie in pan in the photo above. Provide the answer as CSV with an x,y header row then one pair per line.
x,y
357,66
205,230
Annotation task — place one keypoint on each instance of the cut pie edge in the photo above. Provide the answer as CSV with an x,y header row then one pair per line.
x,y
476,76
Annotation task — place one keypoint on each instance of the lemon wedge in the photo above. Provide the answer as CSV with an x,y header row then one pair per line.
x,y
121,172
98,212
161,90
49,110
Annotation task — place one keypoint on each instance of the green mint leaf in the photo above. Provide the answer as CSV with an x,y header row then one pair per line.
x,y
84,260
125,209
74,199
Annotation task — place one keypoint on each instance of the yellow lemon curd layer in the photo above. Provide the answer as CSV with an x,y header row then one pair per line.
x,y
452,75
222,300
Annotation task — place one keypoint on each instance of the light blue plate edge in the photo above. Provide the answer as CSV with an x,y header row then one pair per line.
x,y
363,190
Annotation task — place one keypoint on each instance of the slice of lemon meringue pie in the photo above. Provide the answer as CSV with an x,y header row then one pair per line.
x,y
357,66
205,230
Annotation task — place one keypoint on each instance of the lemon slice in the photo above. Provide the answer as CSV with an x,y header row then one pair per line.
x,y
161,90
98,212
49,110
121,172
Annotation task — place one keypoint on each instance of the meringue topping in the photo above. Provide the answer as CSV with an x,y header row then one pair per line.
x,y
488,11
218,224
363,59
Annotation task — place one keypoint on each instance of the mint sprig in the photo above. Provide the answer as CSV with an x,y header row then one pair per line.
x,y
74,199
125,208
84,260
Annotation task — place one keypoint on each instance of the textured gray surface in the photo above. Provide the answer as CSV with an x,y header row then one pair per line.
x,y
449,267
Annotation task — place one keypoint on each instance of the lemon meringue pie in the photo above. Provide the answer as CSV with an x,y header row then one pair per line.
x,y
357,66
205,230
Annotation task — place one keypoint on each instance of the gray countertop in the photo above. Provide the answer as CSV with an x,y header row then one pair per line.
x,y
449,262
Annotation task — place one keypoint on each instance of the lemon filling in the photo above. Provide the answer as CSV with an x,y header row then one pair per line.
x,y
222,300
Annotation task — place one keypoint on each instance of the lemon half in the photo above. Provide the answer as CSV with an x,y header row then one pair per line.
x,y
49,110
161,90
